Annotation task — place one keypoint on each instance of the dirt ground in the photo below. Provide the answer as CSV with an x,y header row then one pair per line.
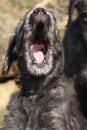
x,y
6,90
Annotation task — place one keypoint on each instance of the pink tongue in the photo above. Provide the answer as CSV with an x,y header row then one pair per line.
x,y
37,52
39,57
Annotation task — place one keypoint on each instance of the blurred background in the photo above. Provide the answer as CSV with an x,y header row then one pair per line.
x,y
10,13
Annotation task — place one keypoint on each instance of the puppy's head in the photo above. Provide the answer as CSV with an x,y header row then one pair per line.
x,y
81,6
35,45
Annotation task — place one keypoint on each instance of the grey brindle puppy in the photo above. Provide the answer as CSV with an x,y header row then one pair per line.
x,y
46,100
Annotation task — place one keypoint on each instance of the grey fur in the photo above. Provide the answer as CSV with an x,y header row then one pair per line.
x,y
47,99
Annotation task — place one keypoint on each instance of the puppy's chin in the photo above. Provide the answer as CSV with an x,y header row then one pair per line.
x,y
38,63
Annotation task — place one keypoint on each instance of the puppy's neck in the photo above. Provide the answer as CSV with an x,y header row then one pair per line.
x,y
30,84
34,85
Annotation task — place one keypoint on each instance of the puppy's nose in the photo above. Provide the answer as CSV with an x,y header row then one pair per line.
x,y
39,10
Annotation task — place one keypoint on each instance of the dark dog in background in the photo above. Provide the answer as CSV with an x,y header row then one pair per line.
x,y
75,50
47,100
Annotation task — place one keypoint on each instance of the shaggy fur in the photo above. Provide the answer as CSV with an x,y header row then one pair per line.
x,y
75,48
47,100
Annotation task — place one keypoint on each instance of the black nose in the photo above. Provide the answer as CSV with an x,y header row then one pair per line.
x,y
39,10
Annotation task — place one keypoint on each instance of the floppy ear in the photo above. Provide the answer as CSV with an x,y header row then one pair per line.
x,y
12,50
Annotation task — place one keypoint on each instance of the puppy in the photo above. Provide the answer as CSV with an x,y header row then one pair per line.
x,y
46,100
75,51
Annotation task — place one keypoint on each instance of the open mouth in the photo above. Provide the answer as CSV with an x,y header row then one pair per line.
x,y
39,44
39,51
